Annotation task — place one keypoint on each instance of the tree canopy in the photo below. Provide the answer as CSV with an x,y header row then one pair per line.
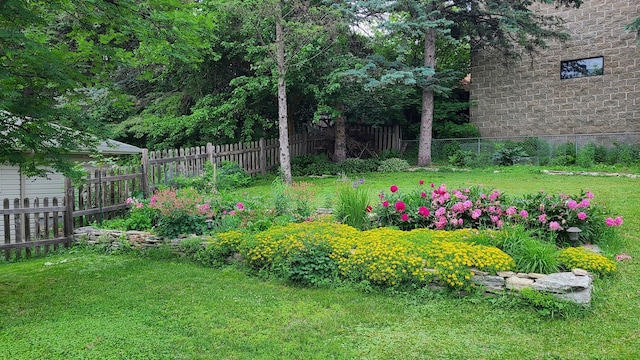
x,y
172,73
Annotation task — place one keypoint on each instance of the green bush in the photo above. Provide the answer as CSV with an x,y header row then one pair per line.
x,y
229,176
294,201
312,165
461,158
358,166
586,155
509,154
393,165
312,265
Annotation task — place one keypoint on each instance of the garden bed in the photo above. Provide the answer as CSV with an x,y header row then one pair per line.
x,y
575,286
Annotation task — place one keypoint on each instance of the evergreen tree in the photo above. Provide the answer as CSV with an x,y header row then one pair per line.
x,y
508,27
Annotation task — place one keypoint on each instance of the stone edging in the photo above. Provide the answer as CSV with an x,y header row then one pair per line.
x,y
589,173
574,286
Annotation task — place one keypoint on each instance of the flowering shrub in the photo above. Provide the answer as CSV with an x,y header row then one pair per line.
x,y
270,249
452,261
383,256
444,209
552,215
441,209
579,257
141,217
180,212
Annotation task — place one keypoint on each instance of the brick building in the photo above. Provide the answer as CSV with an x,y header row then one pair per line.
x,y
586,85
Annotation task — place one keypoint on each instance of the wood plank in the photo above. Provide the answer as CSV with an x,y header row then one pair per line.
x,y
105,209
17,222
29,244
7,228
54,217
45,215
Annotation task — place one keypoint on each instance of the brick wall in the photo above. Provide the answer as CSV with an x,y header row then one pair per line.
x,y
528,97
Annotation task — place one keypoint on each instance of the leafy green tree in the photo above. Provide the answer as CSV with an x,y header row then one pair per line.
x,y
58,57
42,64
286,35
509,27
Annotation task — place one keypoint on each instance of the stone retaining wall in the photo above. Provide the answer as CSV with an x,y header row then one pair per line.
x,y
575,286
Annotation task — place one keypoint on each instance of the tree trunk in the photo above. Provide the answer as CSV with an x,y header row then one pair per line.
x,y
426,119
285,158
340,147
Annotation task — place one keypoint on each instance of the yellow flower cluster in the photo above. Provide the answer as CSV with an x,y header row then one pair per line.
x,y
578,257
383,256
452,260
276,243
229,241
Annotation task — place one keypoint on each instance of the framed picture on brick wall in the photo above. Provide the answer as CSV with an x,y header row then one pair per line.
x,y
571,69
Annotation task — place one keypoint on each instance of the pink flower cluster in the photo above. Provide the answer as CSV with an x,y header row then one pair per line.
x,y
441,208
614,222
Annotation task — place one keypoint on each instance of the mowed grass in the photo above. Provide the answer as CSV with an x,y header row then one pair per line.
x,y
124,307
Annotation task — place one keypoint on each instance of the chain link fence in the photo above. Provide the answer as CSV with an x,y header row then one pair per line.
x,y
582,150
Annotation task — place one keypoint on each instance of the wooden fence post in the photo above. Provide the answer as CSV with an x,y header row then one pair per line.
x,y
396,137
210,152
145,173
263,157
68,212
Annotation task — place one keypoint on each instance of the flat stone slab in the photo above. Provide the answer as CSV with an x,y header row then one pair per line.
x,y
489,281
565,282
582,297
518,283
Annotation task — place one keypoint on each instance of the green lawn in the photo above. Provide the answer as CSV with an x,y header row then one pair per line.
x,y
123,307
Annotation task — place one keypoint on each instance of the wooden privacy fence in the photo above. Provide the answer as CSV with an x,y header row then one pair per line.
x,y
257,157
34,225
104,193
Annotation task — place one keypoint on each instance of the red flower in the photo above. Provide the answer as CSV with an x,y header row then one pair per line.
x,y
400,206
424,211
393,188
421,182
423,194
405,217
385,203
369,208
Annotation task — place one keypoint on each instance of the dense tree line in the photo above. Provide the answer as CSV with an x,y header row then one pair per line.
x,y
172,73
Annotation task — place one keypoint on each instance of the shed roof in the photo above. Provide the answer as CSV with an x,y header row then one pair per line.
x,y
114,147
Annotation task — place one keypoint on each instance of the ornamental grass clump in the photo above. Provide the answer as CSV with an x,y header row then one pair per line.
x,y
581,258
353,205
